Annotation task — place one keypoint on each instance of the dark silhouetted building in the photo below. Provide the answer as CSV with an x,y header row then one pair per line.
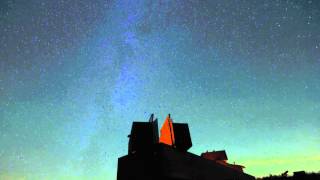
x,y
151,157
221,158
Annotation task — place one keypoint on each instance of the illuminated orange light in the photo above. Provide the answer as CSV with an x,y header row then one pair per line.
x,y
166,132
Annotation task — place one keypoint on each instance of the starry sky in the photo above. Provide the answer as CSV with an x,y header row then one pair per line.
x,y
74,75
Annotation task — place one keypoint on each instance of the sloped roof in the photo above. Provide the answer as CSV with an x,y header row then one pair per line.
x,y
215,155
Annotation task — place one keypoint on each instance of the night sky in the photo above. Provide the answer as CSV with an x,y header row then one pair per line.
x,y
75,74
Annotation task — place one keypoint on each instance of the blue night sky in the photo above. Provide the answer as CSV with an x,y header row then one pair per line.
x,y
74,75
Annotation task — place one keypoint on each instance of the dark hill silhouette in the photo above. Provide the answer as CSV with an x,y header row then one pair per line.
x,y
298,175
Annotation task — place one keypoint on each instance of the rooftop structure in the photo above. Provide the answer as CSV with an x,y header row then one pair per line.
x,y
167,157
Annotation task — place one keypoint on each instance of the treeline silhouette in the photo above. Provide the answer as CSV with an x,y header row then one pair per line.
x,y
296,176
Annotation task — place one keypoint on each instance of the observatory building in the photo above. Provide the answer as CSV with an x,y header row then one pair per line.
x,y
151,157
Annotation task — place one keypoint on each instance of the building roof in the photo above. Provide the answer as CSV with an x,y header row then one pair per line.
x,y
215,155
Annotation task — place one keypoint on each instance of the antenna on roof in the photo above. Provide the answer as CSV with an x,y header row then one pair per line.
x,y
151,118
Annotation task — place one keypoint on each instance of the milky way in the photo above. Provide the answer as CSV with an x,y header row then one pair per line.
x,y
74,75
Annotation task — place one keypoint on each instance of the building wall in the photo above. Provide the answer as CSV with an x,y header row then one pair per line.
x,y
167,163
